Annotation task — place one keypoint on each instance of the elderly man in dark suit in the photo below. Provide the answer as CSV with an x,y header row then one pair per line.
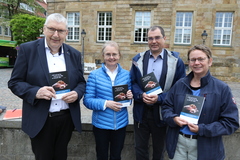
x,y
48,118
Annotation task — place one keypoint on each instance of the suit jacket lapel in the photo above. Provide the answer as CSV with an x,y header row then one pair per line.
x,y
66,56
68,63
43,58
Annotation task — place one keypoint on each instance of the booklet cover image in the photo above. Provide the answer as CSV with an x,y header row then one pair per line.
x,y
150,84
120,95
59,81
192,108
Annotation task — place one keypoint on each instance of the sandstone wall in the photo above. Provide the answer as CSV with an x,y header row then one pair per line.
x,y
226,59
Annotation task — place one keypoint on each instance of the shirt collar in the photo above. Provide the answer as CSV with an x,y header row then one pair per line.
x,y
60,49
108,71
161,55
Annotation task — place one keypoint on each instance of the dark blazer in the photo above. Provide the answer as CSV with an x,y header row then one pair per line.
x,y
31,72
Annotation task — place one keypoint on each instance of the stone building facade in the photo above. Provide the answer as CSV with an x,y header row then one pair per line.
x,y
226,54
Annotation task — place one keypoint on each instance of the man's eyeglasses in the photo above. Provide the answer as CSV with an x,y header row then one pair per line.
x,y
53,30
193,60
114,55
157,38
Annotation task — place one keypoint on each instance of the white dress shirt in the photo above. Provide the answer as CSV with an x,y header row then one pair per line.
x,y
56,63
112,76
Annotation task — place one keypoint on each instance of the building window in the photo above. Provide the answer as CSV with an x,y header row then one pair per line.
x,y
104,32
26,7
183,28
142,23
7,31
223,28
4,13
73,20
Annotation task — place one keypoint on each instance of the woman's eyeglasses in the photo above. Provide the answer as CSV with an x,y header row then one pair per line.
x,y
200,59
114,55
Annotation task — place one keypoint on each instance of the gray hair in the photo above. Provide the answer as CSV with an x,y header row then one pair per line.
x,y
112,44
56,17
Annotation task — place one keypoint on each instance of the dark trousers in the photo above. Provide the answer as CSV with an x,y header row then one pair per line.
x,y
51,142
105,139
142,133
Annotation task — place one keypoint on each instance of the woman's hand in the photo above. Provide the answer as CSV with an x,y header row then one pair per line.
x,y
193,127
129,94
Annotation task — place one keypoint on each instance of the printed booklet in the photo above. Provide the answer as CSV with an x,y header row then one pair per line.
x,y
192,108
120,95
150,84
13,114
59,81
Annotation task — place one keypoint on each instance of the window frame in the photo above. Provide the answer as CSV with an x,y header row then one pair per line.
x,y
222,29
184,28
105,28
75,27
143,28
8,31
26,7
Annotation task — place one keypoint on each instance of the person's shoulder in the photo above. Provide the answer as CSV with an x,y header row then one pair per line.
x,y
219,82
96,71
68,47
30,43
176,55
181,80
124,71
138,55
173,53
97,74
178,85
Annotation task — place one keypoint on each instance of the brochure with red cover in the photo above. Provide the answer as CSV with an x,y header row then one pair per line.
x,y
13,114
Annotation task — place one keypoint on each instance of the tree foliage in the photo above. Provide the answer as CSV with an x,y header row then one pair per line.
x,y
9,8
26,27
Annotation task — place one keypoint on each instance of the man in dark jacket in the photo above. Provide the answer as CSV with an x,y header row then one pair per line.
x,y
48,118
168,68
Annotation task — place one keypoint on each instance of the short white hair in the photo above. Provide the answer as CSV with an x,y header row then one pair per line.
x,y
56,17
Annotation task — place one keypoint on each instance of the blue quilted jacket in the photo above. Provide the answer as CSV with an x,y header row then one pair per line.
x,y
98,90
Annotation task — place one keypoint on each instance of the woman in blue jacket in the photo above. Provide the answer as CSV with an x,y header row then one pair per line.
x,y
109,118
219,115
